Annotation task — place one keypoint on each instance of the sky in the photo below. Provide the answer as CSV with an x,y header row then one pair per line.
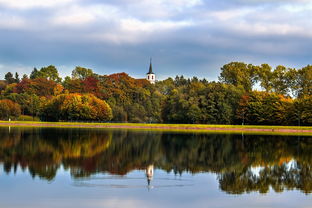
x,y
183,37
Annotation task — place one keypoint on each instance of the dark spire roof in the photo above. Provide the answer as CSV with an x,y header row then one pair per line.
x,y
150,71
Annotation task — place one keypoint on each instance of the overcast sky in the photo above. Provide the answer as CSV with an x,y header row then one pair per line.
x,y
189,37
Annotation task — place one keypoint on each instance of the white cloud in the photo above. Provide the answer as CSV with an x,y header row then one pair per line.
x,y
297,8
225,15
160,9
134,31
79,15
260,21
138,26
73,16
28,4
178,4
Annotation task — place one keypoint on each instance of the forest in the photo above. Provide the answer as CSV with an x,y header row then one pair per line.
x,y
244,94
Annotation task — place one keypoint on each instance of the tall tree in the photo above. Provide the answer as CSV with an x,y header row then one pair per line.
x,y
81,73
282,80
17,79
34,74
9,78
304,81
238,74
50,73
264,73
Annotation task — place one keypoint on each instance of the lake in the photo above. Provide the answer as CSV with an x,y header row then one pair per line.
x,y
54,167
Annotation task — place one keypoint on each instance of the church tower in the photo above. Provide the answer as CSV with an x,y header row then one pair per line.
x,y
150,75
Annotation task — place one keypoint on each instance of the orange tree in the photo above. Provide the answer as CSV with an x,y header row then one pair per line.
x,y
76,107
9,109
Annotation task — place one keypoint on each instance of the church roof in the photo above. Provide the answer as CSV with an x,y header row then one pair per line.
x,y
150,71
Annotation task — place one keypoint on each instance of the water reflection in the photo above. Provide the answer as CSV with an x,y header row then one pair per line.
x,y
243,164
149,174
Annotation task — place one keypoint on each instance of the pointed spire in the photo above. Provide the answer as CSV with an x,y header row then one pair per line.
x,y
150,67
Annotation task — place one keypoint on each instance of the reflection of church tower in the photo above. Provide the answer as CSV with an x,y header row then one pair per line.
x,y
150,75
149,173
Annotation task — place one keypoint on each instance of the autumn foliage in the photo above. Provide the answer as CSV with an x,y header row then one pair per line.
x,y
284,98
77,107
265,109
38,86
9,109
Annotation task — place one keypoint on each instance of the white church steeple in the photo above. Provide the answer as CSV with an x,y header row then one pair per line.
x,y
150,75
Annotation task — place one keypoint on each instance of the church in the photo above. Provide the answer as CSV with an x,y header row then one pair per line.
x,y
151,77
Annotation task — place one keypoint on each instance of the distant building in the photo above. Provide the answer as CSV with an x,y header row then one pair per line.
x,y
151,77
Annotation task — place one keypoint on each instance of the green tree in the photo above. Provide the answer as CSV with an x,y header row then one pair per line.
x,y
304,81
303,111
9,78
49,73
17,79
282,80
238,74
81,73
34,74
264,73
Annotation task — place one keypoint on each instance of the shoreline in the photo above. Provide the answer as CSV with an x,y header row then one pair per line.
x,y
168,127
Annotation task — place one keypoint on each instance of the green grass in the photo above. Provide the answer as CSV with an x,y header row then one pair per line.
x,y
252,129
27,118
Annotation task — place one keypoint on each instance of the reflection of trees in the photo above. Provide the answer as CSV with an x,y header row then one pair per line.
x,y
43,150
277,177
232,157
128,151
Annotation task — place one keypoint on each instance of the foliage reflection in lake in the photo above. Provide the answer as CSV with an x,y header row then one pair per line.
x,y
242,163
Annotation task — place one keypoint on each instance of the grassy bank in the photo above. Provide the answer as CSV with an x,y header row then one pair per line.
x,y
287,130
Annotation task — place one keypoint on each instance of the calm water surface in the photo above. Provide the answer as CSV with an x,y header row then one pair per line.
x,y
110,168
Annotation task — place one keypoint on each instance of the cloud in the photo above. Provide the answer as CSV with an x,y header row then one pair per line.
x,y
29,4
135,25
80,15
200,35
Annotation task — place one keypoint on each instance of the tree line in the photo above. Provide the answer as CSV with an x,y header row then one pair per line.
x,y
244,94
